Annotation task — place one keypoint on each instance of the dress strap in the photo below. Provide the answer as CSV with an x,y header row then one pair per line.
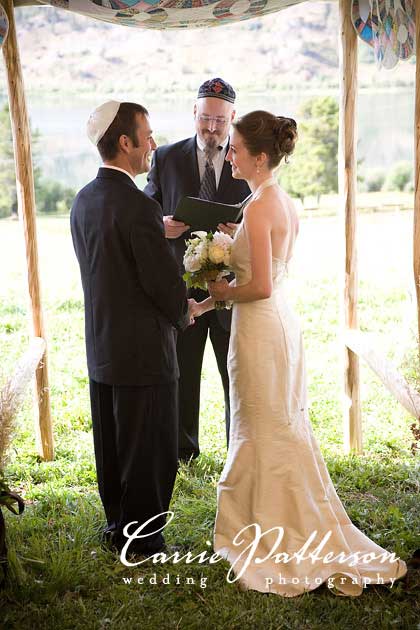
x,y
270,181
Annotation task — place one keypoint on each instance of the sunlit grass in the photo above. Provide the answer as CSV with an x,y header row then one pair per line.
x,y
61,577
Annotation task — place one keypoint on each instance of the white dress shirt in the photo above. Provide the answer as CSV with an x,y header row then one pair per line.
x,y
218,159
117,168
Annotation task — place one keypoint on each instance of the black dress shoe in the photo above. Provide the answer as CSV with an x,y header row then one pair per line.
x,y
108,540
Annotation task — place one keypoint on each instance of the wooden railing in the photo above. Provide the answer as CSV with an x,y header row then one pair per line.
x,y
360,344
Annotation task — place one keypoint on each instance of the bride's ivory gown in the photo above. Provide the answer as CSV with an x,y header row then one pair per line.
x,y
275,475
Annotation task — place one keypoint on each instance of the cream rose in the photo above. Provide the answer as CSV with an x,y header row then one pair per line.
x,y
216,253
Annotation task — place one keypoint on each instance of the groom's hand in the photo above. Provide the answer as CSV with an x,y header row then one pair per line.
x,y
193,310
174,229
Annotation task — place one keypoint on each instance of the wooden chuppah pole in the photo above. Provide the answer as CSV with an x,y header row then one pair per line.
x,y
347,188
26,204
416,234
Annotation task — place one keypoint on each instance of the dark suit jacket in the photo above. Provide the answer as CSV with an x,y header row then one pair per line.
x,y
175,174
134,294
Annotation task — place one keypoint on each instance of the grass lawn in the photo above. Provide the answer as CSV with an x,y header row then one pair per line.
x,y
61,578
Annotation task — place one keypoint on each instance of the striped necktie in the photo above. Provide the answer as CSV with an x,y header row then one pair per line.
x,y
208,183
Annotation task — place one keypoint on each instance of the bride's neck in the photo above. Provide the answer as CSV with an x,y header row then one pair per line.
x,y
255,182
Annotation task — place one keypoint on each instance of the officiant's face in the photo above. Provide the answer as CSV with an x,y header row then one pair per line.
x,y
213,117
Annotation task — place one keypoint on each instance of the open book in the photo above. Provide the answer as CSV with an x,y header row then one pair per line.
x,y
205,215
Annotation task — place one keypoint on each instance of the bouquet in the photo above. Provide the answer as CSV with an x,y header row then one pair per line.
x,y
207,257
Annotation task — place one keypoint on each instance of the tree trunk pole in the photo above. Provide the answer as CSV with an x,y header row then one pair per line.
x,y
416,231
347,188
26,206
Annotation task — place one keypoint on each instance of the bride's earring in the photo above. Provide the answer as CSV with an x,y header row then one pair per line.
x,y
258,170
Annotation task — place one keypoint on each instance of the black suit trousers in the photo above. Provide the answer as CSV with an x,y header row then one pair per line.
x,y
135,434
191,344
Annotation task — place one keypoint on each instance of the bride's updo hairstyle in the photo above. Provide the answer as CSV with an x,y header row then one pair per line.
x,y
265,133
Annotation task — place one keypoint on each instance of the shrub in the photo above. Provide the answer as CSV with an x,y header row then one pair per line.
x,y
52,196
399,176
374,179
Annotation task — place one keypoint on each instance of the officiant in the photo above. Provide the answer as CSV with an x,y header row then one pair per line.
x,y
197,167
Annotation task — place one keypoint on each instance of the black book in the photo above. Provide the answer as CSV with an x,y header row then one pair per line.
x,y
205,215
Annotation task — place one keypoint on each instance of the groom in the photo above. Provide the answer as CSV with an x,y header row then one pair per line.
x,y
197,167
134,298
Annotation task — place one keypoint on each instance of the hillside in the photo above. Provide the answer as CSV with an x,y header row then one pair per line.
x,y
66,53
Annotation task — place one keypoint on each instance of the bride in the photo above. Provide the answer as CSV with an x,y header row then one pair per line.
x,y
279,521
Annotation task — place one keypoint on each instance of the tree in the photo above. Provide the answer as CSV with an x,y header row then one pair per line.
x,y
7,165
51,196
313,167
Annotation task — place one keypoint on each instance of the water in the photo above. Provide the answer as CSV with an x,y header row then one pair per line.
x,y
385,121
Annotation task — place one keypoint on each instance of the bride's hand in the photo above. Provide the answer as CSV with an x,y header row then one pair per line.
x,y
219,290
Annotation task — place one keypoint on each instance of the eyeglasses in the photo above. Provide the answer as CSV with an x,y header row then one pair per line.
x,y
218,120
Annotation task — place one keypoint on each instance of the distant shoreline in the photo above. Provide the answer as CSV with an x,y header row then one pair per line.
x,y
155,97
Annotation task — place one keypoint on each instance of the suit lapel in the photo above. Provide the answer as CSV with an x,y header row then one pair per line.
x,y
191,170
225,177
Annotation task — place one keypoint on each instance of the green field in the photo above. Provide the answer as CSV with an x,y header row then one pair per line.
x,y
60,576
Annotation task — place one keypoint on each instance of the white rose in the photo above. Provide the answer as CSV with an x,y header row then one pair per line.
x,y
216,253
192,263
191,247
223,240
201,251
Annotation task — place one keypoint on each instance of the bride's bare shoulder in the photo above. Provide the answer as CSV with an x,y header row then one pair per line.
x,y
273,205
263,204
287,204
256,207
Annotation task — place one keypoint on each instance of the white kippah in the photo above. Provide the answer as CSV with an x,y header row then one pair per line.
x,y
100,119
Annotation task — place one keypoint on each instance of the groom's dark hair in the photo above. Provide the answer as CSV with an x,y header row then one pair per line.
x,y
124,124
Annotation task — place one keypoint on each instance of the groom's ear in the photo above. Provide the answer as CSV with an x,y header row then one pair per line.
x,y
233,114
124,143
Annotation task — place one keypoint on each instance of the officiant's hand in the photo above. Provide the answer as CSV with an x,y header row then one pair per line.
x,y
228,228
174,229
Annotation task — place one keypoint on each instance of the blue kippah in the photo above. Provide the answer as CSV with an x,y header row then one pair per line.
x,y
217,88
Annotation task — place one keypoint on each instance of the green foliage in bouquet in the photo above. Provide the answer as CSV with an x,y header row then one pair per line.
x,y
199,279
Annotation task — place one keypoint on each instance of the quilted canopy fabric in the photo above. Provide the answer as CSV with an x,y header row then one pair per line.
x,y
163,14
